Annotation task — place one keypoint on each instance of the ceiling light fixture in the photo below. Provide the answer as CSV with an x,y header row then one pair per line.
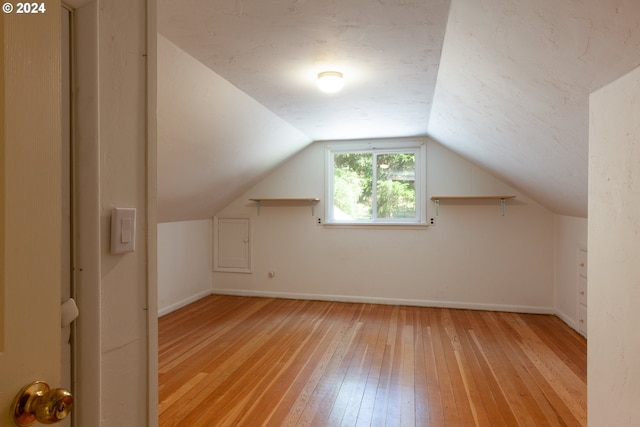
x,y
330,81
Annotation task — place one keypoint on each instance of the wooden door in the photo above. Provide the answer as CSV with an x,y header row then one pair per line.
x,y
30,199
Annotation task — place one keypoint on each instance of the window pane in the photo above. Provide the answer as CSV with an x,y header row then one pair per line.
x,y
395,185
352,186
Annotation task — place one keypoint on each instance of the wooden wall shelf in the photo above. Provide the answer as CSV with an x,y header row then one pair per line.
x,y
503,200
286,201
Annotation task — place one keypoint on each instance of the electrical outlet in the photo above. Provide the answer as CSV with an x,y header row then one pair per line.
x,y
432,220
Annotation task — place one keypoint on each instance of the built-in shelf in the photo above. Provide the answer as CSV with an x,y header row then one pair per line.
x,y
295,201
503,200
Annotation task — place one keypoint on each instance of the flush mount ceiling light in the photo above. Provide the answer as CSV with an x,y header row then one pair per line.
x,y
330,81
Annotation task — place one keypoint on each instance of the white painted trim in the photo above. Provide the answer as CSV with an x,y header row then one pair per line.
x,y
178,305
152,214
389,301
86,164
417,144
568,320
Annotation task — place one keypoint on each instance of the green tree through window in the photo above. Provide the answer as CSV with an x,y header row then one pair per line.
x,y
395,186
362,192
353,174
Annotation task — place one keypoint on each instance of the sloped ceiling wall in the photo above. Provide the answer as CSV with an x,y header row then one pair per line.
x,y
513,88
214,141
511,94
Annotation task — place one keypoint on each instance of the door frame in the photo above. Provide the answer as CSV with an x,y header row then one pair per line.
x,y
87,214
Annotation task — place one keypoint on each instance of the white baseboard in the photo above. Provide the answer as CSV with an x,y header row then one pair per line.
x,y
373,300
389,301
568,320
178,305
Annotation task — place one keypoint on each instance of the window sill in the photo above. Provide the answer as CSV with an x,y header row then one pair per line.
x,y
377,226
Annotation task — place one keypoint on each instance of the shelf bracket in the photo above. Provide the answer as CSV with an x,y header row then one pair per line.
x,y
313,207
437,203
258,204
503,204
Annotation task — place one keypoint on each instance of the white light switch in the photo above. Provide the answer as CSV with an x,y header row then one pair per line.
x,y
125,235
123,230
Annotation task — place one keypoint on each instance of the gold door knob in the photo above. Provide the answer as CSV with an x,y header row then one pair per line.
x,y
38,402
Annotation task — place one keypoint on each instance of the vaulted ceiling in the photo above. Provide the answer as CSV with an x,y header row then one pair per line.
x,y
504,83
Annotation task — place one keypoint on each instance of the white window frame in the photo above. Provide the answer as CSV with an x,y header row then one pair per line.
x,y
416,145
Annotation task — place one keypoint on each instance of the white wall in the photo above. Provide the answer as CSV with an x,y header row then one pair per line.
x,y
571,235
184,263
473,257
614,251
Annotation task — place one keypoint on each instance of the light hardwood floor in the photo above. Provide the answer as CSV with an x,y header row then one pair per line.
x,y
235,361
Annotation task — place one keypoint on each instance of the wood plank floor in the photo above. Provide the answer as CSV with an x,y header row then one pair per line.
x,y
235,361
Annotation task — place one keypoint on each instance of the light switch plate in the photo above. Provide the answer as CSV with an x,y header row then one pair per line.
x,y
123,230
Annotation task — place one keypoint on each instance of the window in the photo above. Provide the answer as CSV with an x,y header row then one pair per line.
x,y
376,182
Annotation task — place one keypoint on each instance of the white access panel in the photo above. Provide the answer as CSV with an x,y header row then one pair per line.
x,y
232,245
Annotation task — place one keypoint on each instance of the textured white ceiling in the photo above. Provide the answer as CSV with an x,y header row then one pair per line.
x,y
273,50
504,83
